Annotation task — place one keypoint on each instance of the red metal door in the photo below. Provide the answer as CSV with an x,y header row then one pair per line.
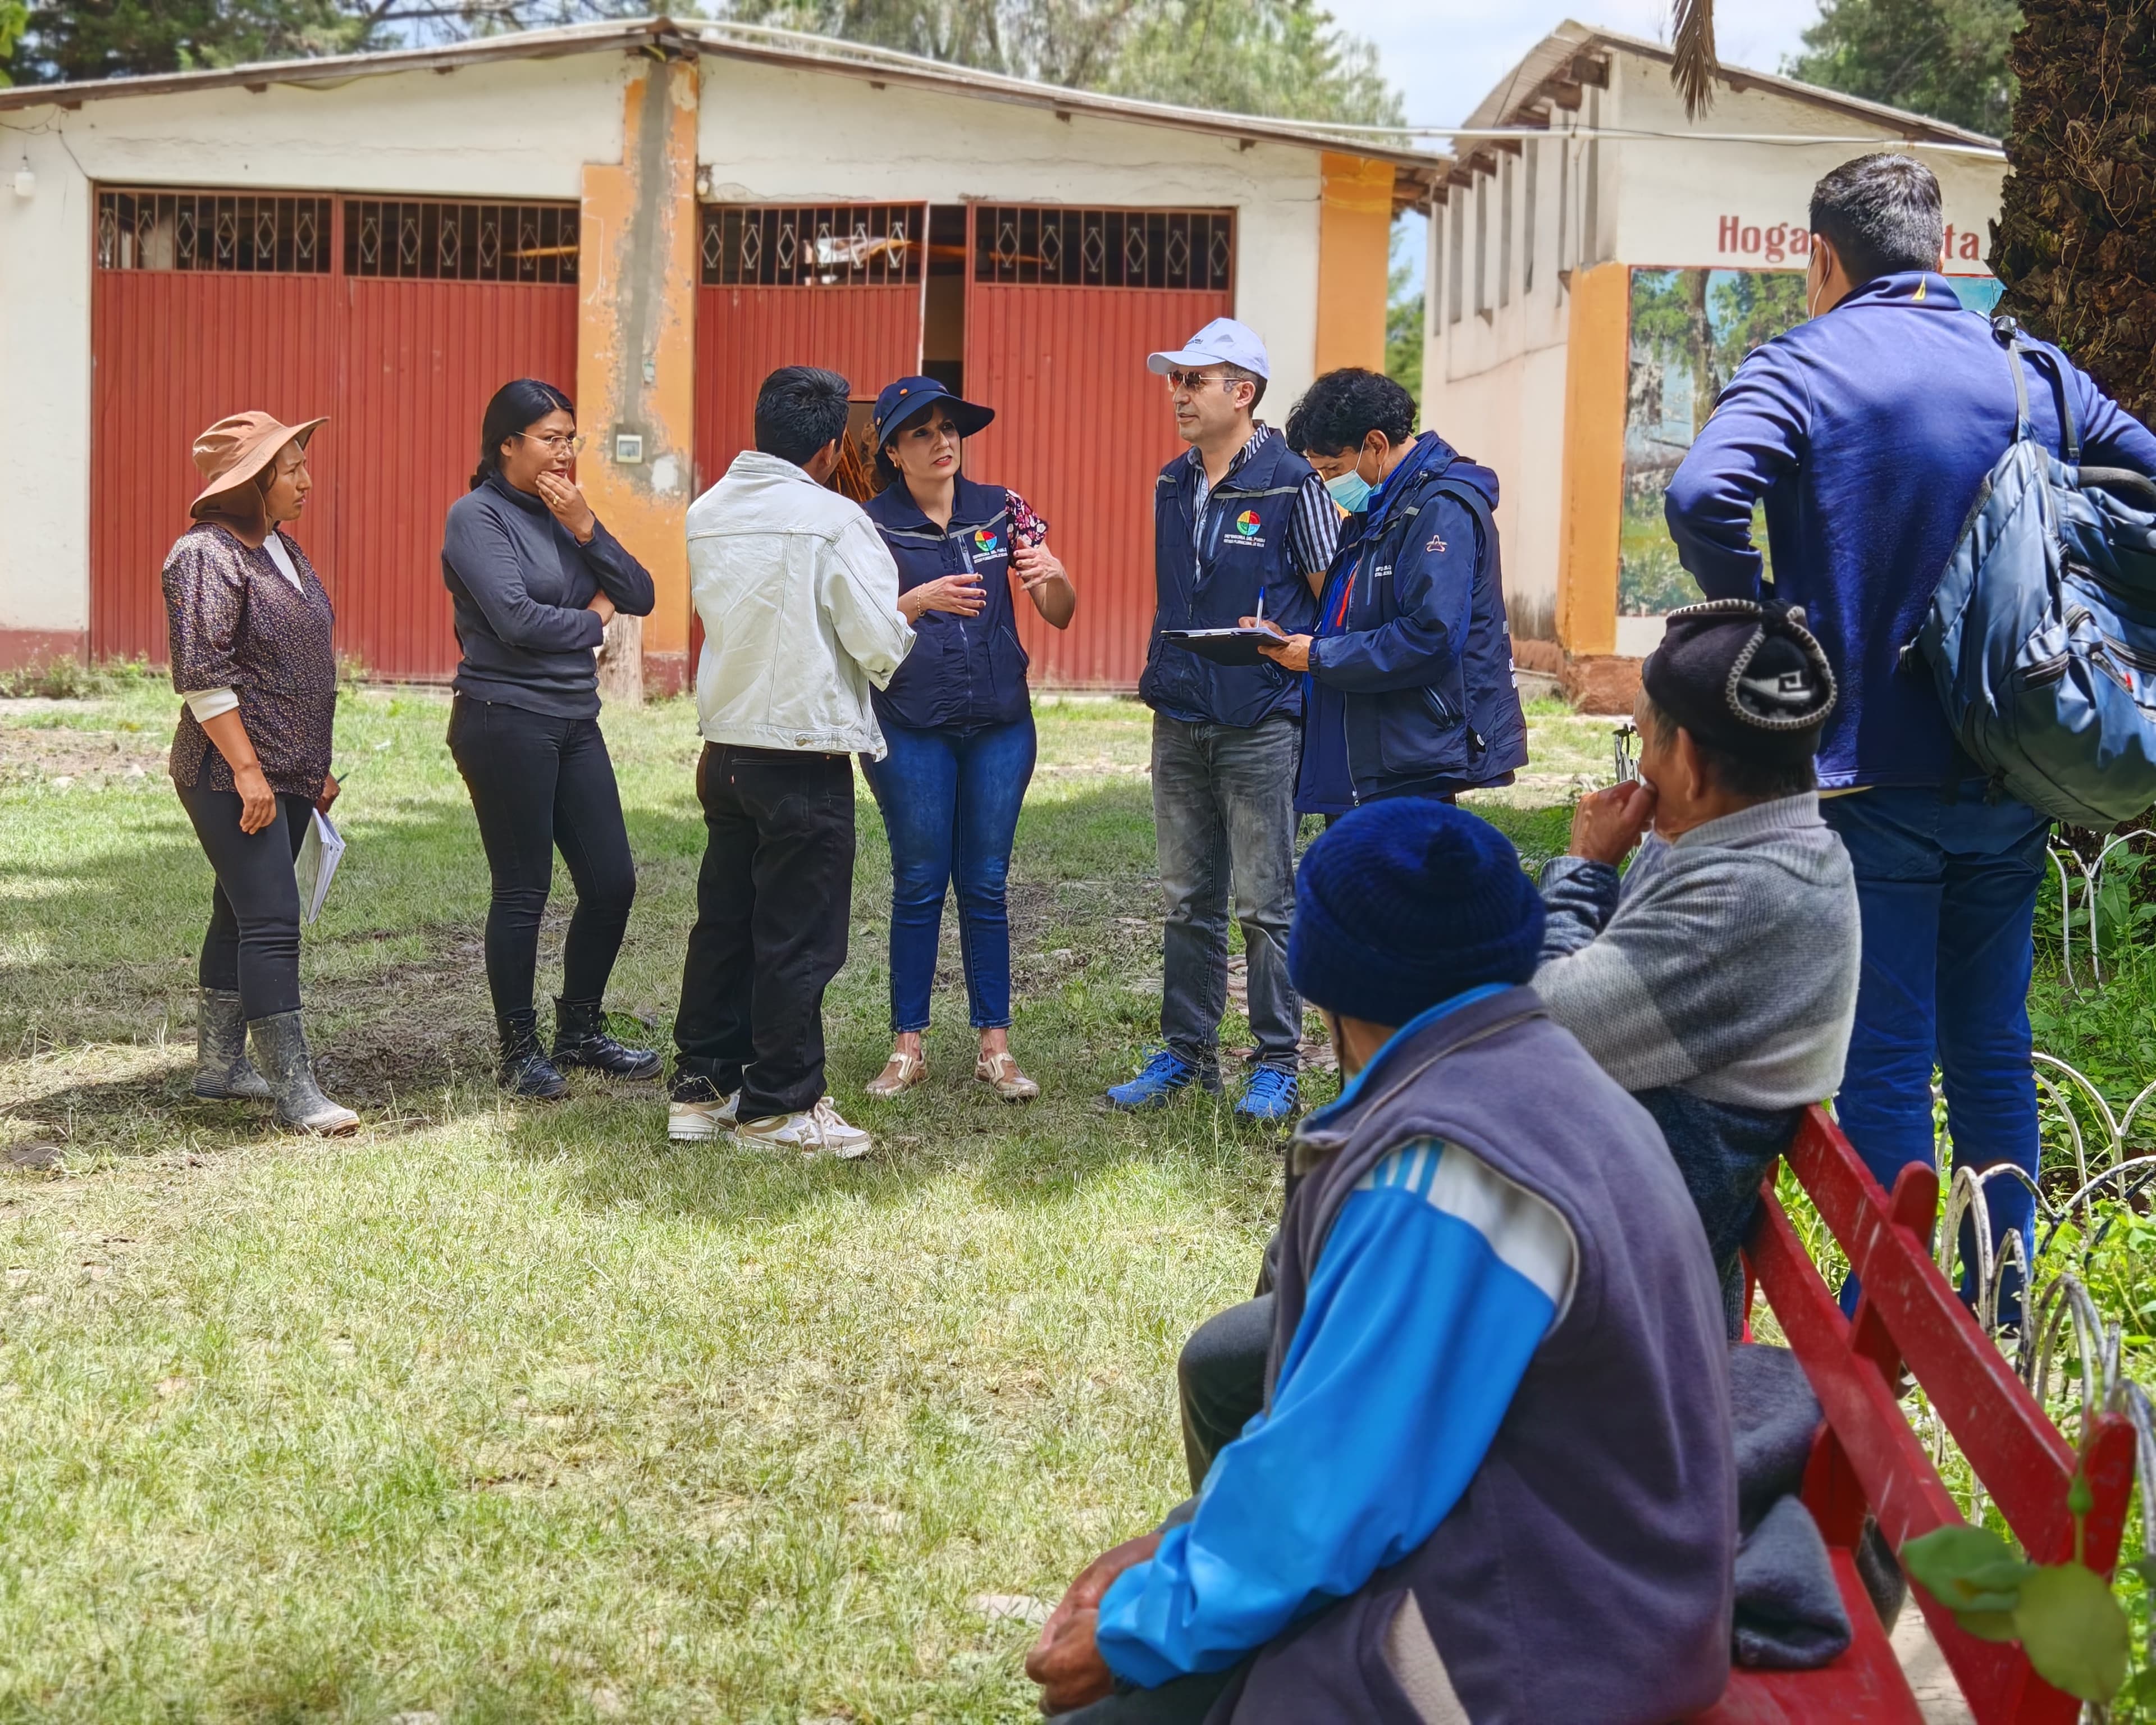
x,y
442,304
201,304
396,320
1063,307
837,286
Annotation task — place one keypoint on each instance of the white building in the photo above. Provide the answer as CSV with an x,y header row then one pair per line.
x,y
1589,288
653,215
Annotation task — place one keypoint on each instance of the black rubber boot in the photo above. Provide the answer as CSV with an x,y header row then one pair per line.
x,y
526,1070
581,1039
222,1071
280,1055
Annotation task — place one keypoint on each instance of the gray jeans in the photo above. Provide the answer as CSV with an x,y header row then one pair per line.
x,y
1223,812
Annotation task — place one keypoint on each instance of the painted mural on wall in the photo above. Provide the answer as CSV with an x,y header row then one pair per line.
x,y
1690,330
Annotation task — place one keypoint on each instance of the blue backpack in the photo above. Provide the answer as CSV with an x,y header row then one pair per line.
x,y
2042,638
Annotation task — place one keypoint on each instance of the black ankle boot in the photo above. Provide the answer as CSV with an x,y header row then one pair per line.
x,y
581,1039
526,1070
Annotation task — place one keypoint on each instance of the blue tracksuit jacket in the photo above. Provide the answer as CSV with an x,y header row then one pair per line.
x,y
1868,431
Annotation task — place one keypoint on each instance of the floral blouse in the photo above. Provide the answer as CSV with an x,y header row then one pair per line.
x,y
235,621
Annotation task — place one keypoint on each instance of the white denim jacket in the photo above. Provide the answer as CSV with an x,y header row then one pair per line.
x,y
799,601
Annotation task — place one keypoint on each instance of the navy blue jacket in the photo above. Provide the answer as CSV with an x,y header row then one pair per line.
x,y
963,672
1868,431
1411,674
520,583
1245,549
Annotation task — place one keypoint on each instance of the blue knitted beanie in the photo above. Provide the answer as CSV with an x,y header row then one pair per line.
x,y
1405,903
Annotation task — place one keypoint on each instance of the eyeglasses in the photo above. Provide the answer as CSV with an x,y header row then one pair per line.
x,y
1197,380
554,442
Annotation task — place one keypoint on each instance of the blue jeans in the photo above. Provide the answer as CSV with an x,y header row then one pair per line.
x,y
1223,812
950,802
1947,890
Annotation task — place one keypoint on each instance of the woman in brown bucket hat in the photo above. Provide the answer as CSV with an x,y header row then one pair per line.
x,y
250,628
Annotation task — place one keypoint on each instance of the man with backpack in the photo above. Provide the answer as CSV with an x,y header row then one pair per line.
x,y
1868,434
1410,666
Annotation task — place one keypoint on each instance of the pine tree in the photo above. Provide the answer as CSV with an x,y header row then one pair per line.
x,y
2076,239
1943,58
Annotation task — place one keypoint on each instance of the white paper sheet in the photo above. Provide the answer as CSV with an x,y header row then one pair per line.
x,y
316,864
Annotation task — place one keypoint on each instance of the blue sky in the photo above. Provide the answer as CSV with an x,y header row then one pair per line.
x,y
1444,56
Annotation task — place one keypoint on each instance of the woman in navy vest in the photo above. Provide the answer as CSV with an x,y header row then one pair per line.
x,y
956,718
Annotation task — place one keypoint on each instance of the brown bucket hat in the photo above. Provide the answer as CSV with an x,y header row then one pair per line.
x,y
236,449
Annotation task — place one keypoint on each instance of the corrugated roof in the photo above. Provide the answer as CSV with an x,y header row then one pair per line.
x,y
762,45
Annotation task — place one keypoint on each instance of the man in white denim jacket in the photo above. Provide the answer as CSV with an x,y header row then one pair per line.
x,y
799,603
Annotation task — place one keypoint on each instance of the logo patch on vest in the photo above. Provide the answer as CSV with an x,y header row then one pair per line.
x,y
1436,542
986,544
1246,529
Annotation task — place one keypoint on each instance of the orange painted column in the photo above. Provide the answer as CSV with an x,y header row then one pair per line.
x,y
1354,254
636,347
1593,506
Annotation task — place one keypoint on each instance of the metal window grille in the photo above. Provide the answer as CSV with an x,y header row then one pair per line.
x,y
224,233
826,245
1055,247
436,241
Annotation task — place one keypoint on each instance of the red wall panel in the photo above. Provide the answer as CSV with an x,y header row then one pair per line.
x,y
868,335
171,353
1082,429
402,368
420,360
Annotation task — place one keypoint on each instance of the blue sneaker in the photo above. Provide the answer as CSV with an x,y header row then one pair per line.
x,y
1164,1075
1271,1094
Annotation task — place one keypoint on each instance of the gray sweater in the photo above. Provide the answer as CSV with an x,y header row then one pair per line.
x,y
1725,963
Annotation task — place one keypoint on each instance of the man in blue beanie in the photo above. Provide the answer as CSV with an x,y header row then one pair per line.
x,y
1493,1478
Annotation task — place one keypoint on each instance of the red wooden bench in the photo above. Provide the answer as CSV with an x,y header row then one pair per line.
x,y
1867,1459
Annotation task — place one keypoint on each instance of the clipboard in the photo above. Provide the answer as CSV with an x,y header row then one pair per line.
x,y
1223,646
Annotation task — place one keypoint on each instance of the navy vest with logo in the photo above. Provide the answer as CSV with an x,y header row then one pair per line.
x,y
1210,578
964,672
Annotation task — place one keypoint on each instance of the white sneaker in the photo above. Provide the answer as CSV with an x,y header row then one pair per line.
x,y
820,1131
698,1123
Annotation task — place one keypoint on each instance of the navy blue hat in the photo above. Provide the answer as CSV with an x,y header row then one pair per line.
x,y
900,400
1405,903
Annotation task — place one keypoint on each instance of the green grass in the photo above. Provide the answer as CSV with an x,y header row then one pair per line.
x,y
502,1412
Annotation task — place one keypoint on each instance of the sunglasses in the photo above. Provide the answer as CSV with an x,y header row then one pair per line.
x,y
1197,380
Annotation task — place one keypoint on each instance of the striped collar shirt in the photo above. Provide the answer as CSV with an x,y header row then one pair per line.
x,y
1313,532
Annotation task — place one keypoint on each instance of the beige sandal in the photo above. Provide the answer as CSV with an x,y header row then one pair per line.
x,y
901,1072
1000,1073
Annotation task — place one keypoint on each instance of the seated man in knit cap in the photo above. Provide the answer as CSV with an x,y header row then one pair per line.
x,y
1492,1476
1717,981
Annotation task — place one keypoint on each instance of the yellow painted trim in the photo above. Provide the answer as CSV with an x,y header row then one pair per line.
x,y
1354,251
636,343
1593,490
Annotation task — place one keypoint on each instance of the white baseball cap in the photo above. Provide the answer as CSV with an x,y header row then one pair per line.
x,y
1221,342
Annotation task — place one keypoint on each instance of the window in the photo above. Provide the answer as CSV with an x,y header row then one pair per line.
x,y
1054,247
408,239
1455,253
1505,234
829,245
218,231
1529,218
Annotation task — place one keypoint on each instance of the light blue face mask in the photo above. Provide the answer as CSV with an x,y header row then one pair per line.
x,y
1351,491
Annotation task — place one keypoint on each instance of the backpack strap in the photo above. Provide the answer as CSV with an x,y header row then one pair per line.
x,y
2008,333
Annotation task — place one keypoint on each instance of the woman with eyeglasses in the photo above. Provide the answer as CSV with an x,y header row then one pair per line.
x,y
957,718
535,579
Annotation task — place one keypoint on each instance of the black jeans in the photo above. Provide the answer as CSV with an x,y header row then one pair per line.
x,y
253,944
774,901
1221,1377
537,783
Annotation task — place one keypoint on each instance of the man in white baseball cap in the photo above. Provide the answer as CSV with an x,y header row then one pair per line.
x,y
1242,527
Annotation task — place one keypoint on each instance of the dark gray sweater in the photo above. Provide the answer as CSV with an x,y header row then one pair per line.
x,y
521,583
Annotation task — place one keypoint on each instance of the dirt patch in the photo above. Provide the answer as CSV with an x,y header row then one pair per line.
x,y
63,756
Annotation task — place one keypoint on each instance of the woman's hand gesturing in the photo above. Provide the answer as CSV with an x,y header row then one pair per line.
x,y
960,595
561,495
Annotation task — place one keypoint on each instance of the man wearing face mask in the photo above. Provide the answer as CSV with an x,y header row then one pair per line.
x,y
1409,667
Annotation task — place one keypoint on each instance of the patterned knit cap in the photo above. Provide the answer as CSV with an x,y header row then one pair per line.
x,y
1744,677
1404,903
